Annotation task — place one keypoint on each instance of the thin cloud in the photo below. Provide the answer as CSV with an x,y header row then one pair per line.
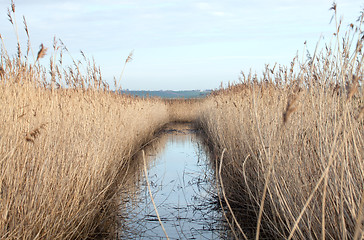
x,y
221,14
203,6
242,57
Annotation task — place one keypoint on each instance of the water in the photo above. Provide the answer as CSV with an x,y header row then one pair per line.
x,y
182,186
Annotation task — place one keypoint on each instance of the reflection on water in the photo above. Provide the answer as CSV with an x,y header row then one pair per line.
x,y
182,186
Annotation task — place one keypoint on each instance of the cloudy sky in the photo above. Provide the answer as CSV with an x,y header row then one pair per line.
x,y
178,44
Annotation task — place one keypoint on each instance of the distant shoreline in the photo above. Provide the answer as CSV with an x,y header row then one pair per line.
x,y
168,93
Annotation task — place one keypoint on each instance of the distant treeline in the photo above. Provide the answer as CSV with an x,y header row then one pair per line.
x,y
169,93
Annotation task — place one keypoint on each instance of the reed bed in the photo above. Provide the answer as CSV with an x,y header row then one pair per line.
x,y
288,145
184,110
61,157
293,145
66,141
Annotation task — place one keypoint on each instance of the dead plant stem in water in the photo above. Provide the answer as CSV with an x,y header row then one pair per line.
x,y
151,195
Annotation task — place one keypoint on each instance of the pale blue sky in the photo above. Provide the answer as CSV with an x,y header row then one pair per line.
x,y
178,44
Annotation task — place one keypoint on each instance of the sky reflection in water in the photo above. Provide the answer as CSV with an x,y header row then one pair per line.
x,y
182,187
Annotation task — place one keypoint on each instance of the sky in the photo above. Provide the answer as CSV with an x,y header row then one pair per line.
x,y
178,44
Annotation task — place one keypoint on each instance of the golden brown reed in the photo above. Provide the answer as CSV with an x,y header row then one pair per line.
x,y
42,52
66,141
305,176
183,110
292,106
65,147
361,114
61,154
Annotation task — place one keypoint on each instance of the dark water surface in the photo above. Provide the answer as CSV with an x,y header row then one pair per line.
x,y
183,187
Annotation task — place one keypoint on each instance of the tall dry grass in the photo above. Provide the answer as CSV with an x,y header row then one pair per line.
x,y
184,110
61,156
294,145
65,145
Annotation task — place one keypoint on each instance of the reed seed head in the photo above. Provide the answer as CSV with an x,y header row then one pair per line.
x,y
32,135
26,26
2,72
292,106
353,87
9,17
42,52
12,6
130,57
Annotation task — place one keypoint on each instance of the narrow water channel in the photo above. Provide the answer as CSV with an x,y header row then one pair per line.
x,y
183,188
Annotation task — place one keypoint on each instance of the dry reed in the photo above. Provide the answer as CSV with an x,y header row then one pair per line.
x,y
302,179
65,142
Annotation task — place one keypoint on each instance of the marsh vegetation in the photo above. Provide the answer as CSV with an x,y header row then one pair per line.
x,y
285,148
291,145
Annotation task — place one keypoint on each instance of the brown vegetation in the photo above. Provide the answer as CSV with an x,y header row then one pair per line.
x,y
294,146
65,143
183,110
61,156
